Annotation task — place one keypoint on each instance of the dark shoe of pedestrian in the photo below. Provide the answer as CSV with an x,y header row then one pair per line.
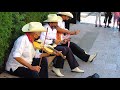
x,y
95,25
108,26
104,26
94,76
100,25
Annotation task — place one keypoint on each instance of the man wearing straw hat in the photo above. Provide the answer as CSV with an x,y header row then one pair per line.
x,y
50,37
79,52
21,61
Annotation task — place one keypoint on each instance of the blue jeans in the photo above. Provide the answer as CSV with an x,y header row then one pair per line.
x,y
27,73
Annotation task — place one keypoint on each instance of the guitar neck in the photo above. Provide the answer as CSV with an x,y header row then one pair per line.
x,y
64,57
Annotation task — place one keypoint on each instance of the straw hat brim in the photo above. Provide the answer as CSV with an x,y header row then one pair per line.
x,y
26,29
50,21
66,14
57,19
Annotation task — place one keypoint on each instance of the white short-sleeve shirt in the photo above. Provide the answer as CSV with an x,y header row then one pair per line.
x,y
61,24
49,35
22,48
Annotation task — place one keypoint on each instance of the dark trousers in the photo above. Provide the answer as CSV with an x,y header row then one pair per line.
x,y
108,17
59,61
119,23
27,73
79,52
67,24
76,17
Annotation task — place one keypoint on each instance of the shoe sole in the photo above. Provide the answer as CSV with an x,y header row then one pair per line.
x,y
77,72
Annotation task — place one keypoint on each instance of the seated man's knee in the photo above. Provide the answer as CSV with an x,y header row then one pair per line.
x,y
63,49
34,74
67,48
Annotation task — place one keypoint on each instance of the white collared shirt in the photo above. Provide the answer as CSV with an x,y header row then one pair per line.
x,y
61,24
22,48
51,34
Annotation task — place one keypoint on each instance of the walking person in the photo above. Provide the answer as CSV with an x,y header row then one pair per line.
x,y
119,23
107,19
98,16
116,16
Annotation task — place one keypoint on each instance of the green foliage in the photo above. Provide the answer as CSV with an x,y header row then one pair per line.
x,y
36,16
5,32
10,28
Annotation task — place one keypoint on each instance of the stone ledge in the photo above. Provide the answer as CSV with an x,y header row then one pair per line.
x,y
6,75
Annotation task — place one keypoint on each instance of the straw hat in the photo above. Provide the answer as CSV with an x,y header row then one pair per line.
x,y
33,27
66,13
53,18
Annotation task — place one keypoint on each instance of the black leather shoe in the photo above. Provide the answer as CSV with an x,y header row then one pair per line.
x,y
108,26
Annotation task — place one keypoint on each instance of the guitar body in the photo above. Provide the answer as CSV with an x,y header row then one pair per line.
x,y
47,48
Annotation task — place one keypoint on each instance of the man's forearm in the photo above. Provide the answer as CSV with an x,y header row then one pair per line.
x,y
60,30
23,62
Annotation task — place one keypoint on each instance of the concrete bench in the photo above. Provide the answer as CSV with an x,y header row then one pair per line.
x,y
7,75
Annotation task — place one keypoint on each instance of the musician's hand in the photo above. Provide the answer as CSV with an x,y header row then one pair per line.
x,y
65,41
77,32
35,68
57,42
58,53
72,32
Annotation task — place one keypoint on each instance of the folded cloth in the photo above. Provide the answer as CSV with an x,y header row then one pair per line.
x,y
94,76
